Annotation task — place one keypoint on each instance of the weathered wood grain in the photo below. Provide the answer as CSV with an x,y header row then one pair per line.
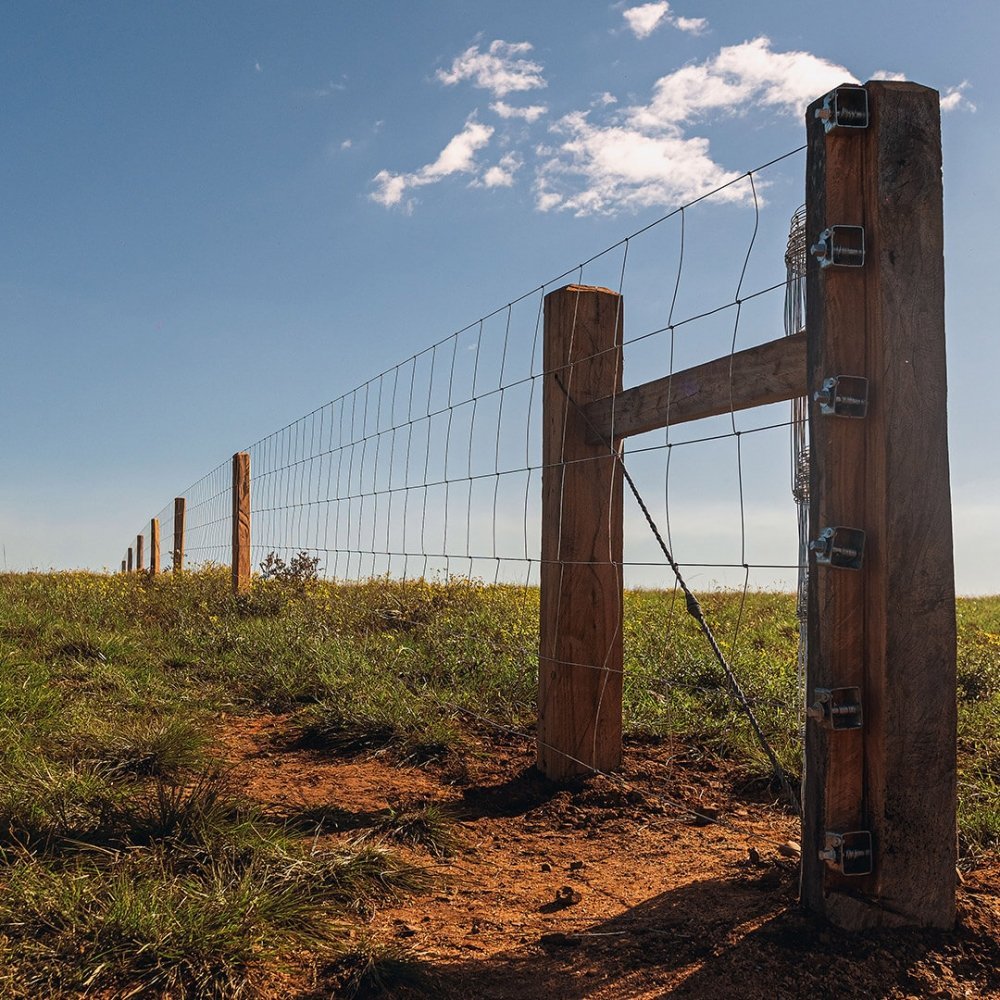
x,y
180,511
580,654
911,746
769,373
140,553
154,547
890,627
241,522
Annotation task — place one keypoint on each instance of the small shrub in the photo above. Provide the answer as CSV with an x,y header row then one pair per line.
x,y
302,568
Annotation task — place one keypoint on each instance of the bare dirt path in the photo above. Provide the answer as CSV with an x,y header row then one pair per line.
x,y
668,884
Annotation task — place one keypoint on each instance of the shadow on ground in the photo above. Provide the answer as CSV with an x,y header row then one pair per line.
x,y
738,937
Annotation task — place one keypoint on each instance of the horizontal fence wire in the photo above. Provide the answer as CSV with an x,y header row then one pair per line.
x,y
432,469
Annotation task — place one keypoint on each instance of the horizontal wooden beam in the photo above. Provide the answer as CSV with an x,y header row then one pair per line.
x,y
768,373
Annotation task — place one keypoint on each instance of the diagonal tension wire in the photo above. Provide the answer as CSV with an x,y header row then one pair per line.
x,y
694,609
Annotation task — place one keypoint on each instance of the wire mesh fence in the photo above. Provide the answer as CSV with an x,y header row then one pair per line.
x,y
433,468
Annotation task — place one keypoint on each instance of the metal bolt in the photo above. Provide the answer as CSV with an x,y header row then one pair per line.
x,y
819,250
825,395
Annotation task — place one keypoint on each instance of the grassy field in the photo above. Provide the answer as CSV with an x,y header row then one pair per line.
x,y
131,860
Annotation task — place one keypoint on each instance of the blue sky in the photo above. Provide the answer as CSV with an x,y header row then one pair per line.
x,y
219,216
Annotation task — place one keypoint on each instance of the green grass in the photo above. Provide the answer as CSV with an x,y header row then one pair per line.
x,y
131,861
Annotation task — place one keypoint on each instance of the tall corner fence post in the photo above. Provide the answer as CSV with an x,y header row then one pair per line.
x,y
140,553
177,556
879,825
241,522
580,639
154,546
128,559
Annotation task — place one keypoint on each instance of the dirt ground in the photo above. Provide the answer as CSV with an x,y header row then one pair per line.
x,y
673,882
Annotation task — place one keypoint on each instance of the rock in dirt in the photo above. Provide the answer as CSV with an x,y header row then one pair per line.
x,y
790,849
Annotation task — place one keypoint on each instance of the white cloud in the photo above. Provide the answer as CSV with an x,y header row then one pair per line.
x,y
603,100
530,113
256,67
502,173
692,25
500,69
602,169
458,156
646,18
954,98
642,155
737,76
887,74
347,143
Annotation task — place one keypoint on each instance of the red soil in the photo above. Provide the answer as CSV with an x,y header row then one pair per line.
x,y
667,883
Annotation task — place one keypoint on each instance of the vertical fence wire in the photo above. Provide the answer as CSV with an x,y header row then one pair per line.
x,y
432,468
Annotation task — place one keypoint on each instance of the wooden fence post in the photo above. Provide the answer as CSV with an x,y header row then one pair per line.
x,y
580,649
154,546
180,510
885,775
140,553
129,559
123,566
241,522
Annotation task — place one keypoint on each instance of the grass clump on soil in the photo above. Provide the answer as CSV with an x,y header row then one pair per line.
x,y
373,969
426,825
130,862
111,688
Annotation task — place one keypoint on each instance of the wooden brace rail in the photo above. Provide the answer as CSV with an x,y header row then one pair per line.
x,y
770,373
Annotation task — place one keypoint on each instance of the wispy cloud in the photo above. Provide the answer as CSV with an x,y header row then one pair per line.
x,y
458,156
330,89
692,25
501,69
501,174
601,169
530,113
887,74
645,18
642,155
954,98
610,158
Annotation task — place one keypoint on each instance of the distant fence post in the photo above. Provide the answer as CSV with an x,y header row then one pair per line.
x,y
140,553
154,546
879,827
123,566
128,559
580,649
180,509
241,522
